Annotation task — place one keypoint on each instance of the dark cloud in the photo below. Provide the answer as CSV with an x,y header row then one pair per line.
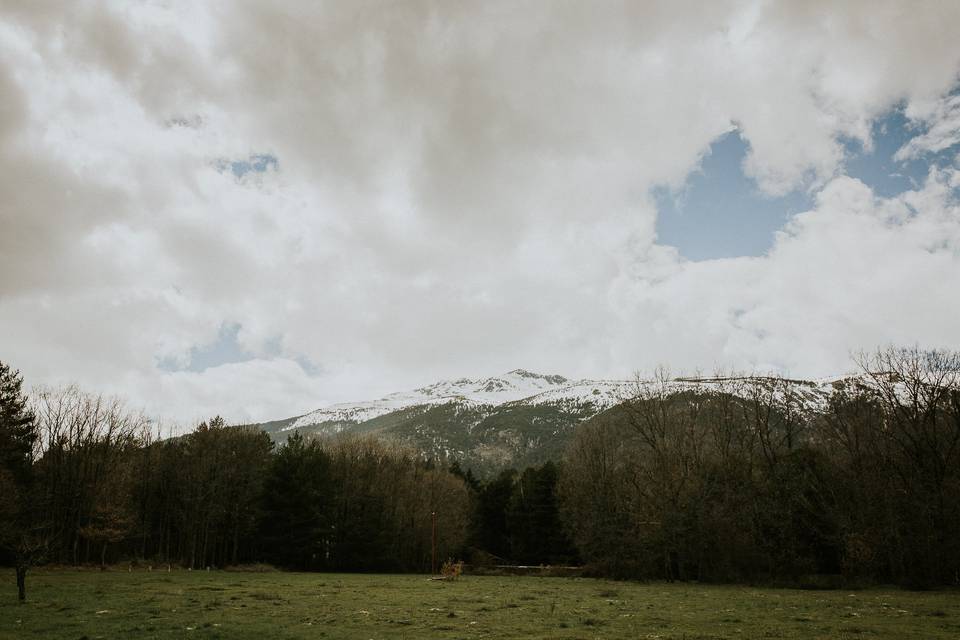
x,y
459,188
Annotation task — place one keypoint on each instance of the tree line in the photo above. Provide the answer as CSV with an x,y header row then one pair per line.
x,y
746,482
745,479
84,481
515,518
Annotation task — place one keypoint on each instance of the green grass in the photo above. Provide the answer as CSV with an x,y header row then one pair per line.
x,y
116,604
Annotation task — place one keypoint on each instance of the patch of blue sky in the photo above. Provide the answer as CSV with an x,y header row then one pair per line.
x,y
274,348
720,213
256,163
879,168
226,349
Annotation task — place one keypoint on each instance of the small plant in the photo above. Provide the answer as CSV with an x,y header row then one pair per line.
x,y
451,570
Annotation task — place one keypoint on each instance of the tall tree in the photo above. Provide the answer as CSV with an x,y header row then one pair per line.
x,y
84,442
533,519
295,528
919,393
17,429
492,533
18,531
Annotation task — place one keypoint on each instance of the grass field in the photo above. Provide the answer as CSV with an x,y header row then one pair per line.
x,y
117,604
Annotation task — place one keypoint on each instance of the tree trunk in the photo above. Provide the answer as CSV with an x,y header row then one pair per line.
x,y
236,541
21,583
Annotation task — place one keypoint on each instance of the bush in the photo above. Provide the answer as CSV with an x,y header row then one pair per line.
x,y
451,570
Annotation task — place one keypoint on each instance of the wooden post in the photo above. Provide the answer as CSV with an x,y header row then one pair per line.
x,y
21,582
433,543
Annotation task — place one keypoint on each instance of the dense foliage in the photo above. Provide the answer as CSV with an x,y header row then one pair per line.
x,y
744,483
83,481
358,504
517,519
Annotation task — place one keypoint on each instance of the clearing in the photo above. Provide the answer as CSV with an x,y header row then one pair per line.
x,y
218,604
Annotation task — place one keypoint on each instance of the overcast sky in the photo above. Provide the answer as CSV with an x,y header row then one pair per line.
x,y
256,208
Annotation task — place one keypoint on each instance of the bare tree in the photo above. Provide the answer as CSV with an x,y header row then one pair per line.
x,y
918,392
83,442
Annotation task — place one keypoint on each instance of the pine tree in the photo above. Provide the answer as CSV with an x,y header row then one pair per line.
x,y
533,518
492,534
295,528
17,437
17,429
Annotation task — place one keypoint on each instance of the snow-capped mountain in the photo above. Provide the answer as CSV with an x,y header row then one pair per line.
x,y
514,419
494,391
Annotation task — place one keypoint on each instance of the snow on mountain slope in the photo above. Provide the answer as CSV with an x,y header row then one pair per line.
x,y
603,394
523,387
600,393
496,390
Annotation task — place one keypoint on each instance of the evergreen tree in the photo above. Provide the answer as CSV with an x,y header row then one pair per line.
x,y
533,519
295,527
467,476
491,519
17,437
17,428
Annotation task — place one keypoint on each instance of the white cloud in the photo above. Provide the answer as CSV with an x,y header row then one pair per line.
x,y
463,189
942,120
854,273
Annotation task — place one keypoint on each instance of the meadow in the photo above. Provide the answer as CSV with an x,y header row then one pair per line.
x,y
86,604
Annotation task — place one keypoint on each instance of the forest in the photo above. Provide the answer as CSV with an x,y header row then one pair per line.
x,y
741,482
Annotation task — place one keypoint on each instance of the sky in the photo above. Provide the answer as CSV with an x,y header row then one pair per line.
x,y
254,209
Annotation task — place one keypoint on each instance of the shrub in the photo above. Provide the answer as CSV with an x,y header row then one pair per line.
x,y
451,570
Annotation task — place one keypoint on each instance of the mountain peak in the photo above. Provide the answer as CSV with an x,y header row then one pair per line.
x,y
523,373
493,391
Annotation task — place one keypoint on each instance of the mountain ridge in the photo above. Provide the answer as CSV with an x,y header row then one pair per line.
x,y
512,419
516,385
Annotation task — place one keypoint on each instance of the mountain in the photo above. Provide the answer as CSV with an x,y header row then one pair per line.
x,y
515,419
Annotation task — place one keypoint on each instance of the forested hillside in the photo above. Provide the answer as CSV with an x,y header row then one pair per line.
x,y
514,420
483,438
